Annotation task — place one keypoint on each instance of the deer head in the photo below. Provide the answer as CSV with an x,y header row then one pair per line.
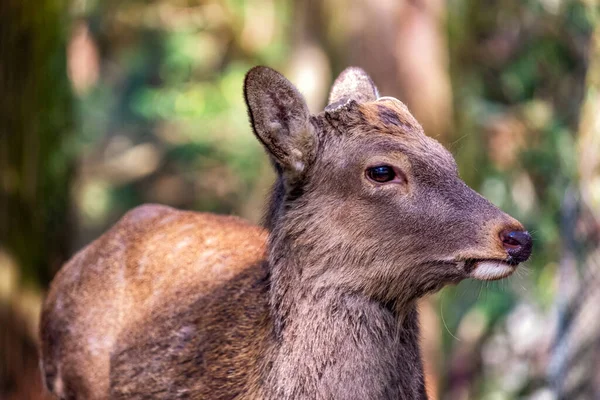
x,y
366,202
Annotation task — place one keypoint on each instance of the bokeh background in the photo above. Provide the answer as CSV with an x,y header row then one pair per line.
x,y
105,105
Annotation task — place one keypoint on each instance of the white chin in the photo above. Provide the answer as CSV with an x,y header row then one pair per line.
x,y
492,270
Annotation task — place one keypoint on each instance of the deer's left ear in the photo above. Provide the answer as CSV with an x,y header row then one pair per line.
x,y
280,119
352,84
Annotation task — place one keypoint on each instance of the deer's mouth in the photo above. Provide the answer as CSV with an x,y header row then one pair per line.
x,y
489,270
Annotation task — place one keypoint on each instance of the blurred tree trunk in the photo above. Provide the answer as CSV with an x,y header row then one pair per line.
x,y
403,45
35,123
573,370
309,65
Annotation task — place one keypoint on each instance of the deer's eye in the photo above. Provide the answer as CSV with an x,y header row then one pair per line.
x,y
381,173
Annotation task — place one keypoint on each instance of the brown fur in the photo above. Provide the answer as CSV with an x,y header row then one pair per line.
x,y
173,304
121,280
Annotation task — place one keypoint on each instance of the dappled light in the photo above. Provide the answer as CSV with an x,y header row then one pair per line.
x,y
107,105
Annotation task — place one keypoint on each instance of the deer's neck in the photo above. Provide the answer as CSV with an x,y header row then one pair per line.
x,y
331,344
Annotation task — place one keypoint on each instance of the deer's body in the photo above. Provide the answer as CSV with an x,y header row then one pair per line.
x,y
367,216
210,317
127,266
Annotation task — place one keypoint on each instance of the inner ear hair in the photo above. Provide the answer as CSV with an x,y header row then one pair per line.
x,y
280,118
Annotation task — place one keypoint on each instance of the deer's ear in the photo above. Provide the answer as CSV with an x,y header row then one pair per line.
x,y
280,118
352,84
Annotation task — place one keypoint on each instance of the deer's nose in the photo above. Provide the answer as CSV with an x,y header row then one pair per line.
x,y
517,244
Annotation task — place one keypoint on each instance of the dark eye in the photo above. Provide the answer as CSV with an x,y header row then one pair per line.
x,y
381,174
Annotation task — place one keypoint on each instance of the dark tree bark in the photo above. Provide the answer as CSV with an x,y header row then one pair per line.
x,y
35,171
35,126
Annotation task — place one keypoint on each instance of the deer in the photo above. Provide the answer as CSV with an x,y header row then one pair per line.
x,y
367,215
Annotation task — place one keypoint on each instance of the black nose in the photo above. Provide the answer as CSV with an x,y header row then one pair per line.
x,y
517,244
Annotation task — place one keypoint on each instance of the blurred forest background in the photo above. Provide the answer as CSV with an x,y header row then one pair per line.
x,y
105,105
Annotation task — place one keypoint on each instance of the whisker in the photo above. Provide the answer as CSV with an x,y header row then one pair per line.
x,y
534,232
503,281
453,144
520,275
444,320
526,270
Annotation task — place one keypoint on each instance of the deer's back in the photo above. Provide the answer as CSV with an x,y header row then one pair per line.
x,y
155,259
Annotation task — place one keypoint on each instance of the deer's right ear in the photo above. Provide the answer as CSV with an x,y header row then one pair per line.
x,y
280,118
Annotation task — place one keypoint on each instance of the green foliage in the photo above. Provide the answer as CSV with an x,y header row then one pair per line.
x,y
518,75
176,82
